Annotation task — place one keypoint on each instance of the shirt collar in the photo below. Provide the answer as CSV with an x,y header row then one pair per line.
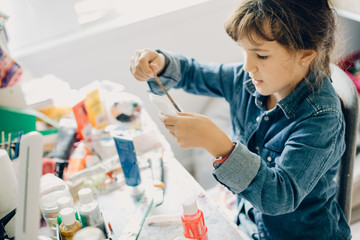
x,y
290,103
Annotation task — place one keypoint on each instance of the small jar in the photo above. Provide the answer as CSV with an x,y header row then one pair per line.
x,y
69,225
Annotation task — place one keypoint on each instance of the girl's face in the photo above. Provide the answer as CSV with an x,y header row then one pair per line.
x,y
274,71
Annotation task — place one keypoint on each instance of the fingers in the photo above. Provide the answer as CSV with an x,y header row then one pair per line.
x,y
139,65
144,62
170,123
171,129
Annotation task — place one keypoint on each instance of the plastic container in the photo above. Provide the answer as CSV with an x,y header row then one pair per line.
x,y
90,214
193,220
69,225
66,202
128,160
51,189
89,233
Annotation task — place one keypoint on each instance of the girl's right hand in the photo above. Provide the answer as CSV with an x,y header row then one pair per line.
x,y
145,62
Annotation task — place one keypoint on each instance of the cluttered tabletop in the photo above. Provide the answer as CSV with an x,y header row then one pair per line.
x,y
114,171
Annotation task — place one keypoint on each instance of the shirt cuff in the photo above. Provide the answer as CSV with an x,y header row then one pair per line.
x,y
238,171
220,160
169,77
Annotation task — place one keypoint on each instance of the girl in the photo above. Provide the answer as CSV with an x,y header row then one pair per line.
x,y
288,128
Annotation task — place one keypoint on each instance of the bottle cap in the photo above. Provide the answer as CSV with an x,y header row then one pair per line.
x,y
85,195
67,216
190,206
89,233
64,202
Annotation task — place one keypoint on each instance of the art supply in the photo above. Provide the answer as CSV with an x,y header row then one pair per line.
x,y
64,143
51,189
126,151
77,161
157,172
167,94
164,219
95,109
89,210
69,225
103,144
193,220
132,229
17,145
82,119
89,233
66,202
54,165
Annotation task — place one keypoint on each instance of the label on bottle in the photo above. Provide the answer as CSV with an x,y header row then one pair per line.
x,y
91,217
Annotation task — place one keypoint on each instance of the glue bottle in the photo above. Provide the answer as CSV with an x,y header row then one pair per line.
x,y
90,214
69,225
65,202
193,220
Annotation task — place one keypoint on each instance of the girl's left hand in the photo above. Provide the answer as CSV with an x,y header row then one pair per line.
x,y
192,130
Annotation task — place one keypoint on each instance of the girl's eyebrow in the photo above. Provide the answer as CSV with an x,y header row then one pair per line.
x,y
258,50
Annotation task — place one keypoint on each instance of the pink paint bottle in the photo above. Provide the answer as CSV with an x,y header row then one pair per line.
x,y
193,220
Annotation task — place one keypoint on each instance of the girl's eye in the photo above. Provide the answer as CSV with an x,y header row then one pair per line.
x,y
261,57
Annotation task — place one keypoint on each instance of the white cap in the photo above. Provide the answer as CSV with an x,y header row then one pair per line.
x,y
89,233
67,216
190,206
85,195
64,202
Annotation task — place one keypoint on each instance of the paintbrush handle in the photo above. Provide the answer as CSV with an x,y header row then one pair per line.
x,y
167,94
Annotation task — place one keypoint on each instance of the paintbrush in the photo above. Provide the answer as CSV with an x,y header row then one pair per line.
x,y
167,94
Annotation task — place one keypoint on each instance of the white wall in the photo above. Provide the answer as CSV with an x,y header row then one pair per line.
x,y
196,31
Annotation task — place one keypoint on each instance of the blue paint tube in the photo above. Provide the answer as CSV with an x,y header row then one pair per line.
x,y
126,151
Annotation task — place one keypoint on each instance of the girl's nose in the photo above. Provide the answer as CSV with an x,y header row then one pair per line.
x,y
249,65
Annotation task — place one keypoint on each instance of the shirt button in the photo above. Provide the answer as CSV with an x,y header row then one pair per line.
x,y
258,119
262,234
260,102
257,148
266,118
269,159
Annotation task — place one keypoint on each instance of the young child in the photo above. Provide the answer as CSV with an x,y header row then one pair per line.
x,y
288,128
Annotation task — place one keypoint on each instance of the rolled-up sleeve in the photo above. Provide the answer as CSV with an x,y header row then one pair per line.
x,y
306,158
238,170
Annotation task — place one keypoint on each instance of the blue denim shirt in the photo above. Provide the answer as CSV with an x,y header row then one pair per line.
x,y
286,158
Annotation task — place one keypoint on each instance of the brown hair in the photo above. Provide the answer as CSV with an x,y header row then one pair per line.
x,y
295,24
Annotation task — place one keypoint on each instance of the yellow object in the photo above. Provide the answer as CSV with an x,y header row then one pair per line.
x,y
95,109
56,112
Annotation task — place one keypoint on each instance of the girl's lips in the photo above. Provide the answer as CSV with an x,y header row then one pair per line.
x,y
256,82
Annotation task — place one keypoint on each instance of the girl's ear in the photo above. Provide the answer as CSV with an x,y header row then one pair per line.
x,y
307,56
